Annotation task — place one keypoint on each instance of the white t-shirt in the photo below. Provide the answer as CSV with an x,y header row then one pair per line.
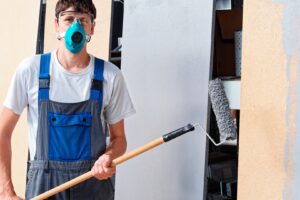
x,y
66,87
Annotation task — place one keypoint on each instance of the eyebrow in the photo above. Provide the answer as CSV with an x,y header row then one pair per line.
x,y
79,17
74,13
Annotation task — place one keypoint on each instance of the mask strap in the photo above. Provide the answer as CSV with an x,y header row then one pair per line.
x,y
59,36
88,38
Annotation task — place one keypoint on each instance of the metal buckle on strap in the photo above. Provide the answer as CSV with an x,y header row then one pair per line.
x,y
44,82
97,85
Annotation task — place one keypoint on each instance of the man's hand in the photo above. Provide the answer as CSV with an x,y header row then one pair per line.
x,y
7,192
15,197
116,147
102,169
8,120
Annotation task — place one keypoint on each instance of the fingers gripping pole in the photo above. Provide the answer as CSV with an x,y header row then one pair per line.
x,y
117,161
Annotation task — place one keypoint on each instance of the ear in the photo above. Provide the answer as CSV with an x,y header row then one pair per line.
x,y
56,25
93,28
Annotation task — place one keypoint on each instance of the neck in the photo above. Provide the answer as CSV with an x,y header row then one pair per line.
x,y
73,62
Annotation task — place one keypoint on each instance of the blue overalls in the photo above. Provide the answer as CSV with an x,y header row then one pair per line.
x,y
69,140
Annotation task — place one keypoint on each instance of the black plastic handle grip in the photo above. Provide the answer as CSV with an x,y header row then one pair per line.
x,y
174,134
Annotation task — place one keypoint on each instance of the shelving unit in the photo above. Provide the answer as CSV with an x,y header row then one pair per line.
x,y
116,32
222,168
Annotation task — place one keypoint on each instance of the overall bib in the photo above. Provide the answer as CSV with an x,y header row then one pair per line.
x,y
70,139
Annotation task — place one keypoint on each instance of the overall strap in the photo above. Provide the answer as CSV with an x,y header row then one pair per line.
x,y
44,77
97,83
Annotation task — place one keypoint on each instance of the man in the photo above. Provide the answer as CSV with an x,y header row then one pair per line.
x,y
70,96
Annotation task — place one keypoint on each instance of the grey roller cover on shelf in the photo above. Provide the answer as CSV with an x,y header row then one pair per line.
x,y
220,105
238,52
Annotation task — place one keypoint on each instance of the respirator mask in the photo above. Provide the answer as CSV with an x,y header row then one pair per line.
x,y
75,36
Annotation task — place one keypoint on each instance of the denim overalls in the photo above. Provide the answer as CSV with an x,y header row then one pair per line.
x,y
69,140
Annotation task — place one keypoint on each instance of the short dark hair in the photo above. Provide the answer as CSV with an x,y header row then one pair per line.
x,y
79,5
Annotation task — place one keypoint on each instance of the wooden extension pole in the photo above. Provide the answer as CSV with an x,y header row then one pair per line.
x,y
117,161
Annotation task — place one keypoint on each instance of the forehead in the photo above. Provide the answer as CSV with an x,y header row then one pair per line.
x,y
73,12
73,8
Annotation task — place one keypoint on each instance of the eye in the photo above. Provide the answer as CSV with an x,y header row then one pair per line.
x,y
84,21
69,19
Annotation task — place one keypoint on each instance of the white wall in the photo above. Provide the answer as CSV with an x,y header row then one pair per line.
x,y
166,63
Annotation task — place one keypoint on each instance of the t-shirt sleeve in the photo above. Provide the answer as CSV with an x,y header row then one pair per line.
x,y
16,98
120,105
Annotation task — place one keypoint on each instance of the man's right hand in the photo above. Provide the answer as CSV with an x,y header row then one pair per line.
x,y
8,197
7,192
8,120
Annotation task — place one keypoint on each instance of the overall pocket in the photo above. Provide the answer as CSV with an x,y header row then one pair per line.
x,y
69,137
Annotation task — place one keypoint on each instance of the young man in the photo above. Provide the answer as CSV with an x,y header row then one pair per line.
x,y
70,96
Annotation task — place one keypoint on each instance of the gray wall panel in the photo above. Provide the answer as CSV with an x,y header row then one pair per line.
x,y
166,63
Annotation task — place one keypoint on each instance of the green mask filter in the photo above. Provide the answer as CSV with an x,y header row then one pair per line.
x,y
75,37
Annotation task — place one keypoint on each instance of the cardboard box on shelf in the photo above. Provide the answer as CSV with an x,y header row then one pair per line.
x,y
227,22
223,171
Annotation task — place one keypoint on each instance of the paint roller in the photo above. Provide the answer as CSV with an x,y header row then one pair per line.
x,y
220,106
225,123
